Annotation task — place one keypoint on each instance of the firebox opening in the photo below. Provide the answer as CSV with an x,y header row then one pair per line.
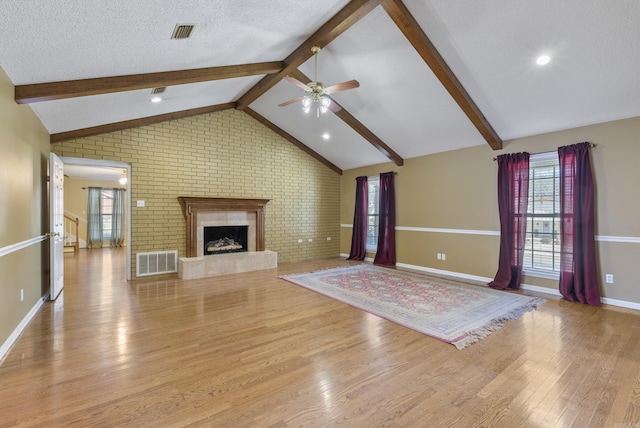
x,y
225,239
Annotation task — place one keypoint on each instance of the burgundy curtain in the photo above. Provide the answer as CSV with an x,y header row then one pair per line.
x,y
513,193
359,235
578,274
386,254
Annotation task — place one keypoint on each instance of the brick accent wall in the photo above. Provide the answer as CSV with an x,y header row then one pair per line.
x,y
225,154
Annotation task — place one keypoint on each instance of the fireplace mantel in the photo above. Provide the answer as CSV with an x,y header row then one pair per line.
x,y
191,206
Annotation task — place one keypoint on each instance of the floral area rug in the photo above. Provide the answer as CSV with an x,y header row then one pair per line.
x,y
450,311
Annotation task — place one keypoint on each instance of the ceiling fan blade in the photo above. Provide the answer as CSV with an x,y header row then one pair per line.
x,y
296,82
334,106
286,103
351,84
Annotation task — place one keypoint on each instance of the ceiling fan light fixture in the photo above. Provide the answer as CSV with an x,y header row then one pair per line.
x,y
306,104
317,93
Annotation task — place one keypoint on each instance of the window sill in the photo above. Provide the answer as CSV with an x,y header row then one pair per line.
x,y
542,273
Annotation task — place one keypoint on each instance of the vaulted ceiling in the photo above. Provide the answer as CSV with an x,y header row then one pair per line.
x,y
435,75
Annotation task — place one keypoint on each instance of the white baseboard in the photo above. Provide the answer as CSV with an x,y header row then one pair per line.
x,y
483,280
4,349
474,278
621,303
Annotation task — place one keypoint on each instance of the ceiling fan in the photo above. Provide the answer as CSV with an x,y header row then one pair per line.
x,y
317,92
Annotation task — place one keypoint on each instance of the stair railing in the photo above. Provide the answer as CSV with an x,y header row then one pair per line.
x,y
71,231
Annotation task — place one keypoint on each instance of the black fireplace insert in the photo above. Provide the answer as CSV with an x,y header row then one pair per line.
x,y
225,239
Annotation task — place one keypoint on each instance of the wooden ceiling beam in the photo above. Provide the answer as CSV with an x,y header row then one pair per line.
x,y
266,122
338,24
357,126
421,43
134,123
376,142
25,94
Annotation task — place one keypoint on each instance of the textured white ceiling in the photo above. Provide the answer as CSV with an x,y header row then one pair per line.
x,y
490,45
78,113
75,39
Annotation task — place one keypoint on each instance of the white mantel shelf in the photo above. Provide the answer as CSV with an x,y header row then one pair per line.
x,y
226,264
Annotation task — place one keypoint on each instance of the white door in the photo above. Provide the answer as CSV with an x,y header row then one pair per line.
x,y
56,225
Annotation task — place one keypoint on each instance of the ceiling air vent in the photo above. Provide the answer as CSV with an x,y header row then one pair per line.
x,y
158,90
182,31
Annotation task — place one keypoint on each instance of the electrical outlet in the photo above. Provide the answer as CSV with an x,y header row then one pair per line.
x,y
444,256
439,256
299,241
608,278
310,240
328,238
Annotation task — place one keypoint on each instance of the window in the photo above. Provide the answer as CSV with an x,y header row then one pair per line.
x,y
372,213
542,247
106,209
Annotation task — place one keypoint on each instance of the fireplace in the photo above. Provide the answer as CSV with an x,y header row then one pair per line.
x,y
201,212
227,216
225,239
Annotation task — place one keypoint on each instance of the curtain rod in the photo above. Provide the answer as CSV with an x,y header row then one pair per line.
x,y
394,173
106,188
591,145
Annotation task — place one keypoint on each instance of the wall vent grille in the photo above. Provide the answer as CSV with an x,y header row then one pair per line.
x,y
182,31
156,263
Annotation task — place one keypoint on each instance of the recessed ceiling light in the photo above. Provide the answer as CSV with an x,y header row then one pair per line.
x,y
326,136
156,99
543,59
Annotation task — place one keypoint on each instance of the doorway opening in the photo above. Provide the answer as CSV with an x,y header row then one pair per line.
x,y
93,178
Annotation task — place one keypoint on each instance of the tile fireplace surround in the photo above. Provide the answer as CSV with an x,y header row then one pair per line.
x,y
200,212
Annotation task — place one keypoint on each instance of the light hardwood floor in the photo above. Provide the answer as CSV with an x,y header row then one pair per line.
x,y
254,350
